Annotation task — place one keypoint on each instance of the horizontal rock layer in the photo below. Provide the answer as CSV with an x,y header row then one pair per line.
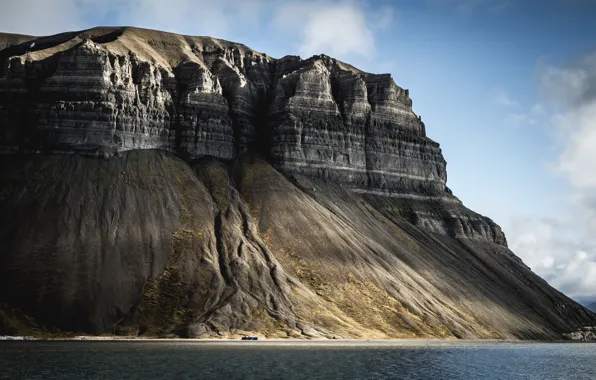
x,y
107,90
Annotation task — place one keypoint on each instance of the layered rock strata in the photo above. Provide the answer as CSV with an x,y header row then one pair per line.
x,y
107,90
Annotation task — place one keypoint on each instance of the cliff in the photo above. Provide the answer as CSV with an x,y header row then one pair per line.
x,y
163,184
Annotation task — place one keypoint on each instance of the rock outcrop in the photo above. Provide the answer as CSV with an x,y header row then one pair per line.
x,y
158,184
585,334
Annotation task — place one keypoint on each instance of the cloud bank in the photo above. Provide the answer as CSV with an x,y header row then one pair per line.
x,y
196,17
331,27
564,250
470,6
501,98
41,17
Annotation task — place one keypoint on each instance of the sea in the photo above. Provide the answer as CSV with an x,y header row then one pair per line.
x,y
296,360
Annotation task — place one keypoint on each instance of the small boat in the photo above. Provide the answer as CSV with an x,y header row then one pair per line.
x,y
250,337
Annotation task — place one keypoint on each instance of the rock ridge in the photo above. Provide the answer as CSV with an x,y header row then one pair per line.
x,y
107,90
138,89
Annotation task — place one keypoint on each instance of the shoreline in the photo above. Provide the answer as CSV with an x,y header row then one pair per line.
x,y
288,342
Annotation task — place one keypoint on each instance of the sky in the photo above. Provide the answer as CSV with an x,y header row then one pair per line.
x,y
507,87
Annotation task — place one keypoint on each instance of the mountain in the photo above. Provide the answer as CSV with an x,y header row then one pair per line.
x,y
159,184
592,306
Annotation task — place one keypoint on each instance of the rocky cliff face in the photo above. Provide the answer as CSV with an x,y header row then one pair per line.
x,y
346,228
109,90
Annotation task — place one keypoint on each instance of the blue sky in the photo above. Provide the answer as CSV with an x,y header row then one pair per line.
x,y
503,85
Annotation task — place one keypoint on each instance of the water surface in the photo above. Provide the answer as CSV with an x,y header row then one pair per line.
x,y
261,360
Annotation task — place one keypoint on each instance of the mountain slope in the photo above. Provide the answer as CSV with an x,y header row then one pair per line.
x,y
160,184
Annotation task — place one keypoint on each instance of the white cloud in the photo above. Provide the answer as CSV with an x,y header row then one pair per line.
x,y
382,18
571,92
577,133
180,16
517,119
565,262
195,17
471,6
500,6
501,98
562,86
578,274
334,27
331,27
40,17
538,110
564,251
536,116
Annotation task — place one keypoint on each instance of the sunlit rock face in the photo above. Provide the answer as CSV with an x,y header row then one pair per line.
x,y
332,121
167,185
86,99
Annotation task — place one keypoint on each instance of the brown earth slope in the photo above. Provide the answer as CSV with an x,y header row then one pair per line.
x,y
148,243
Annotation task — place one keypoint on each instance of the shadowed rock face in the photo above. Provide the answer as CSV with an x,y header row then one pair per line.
x,y
134,200
108,90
